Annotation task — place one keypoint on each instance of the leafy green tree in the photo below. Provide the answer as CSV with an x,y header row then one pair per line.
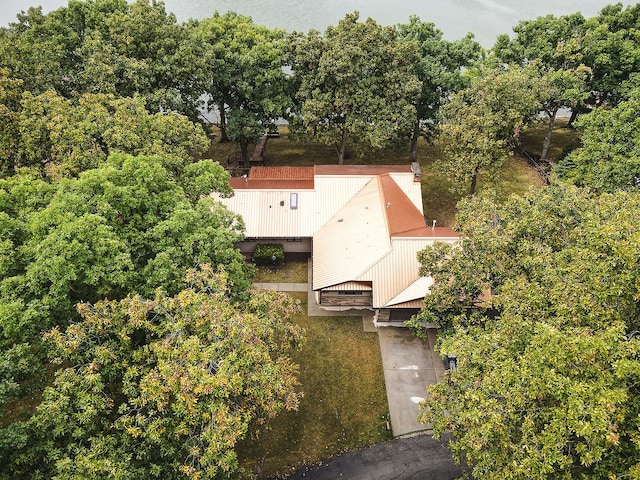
x,y
553,45
20,196
162,387
9,116
33,53
611,50
561,89
439,69
539,304
482,123
127,226
553,41
605,44
609,158
242,73
355,85
105,46
65,137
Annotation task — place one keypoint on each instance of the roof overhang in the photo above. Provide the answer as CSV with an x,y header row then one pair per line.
x,y
416,291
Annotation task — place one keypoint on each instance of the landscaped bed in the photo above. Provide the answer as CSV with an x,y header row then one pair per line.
x,y
345,404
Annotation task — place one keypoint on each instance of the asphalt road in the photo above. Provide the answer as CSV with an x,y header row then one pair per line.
x,y
416,458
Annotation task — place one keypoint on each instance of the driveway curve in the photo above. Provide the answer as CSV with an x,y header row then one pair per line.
x,y
415,458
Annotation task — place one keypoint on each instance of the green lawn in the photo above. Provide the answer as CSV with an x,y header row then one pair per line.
x,y
345,404
290,272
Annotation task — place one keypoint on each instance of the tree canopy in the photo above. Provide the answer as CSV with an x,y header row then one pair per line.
x,y
354,85
439,69
609,158
103,46
540,305
482,123
129,226
245,79
583,63
161,388
65,137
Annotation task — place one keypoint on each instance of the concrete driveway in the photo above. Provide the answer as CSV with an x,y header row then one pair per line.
x,y
410,364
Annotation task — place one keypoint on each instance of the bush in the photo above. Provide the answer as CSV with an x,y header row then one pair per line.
x,y
269,254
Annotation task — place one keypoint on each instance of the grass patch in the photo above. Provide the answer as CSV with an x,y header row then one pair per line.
x,y
515,178
562,138
290,272
345,404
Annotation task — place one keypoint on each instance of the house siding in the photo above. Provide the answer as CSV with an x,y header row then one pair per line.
x,y
330,298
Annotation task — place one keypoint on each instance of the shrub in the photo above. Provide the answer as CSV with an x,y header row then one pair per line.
x,y
266,252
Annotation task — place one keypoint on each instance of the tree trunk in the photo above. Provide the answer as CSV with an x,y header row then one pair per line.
x,y
573,117
413,153
474,181
547,138
343,147
223,123
244,148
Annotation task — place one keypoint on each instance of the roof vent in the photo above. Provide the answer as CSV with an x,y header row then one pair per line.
x,y
294,201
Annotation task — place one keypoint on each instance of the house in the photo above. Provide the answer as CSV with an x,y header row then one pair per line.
x,y
363,225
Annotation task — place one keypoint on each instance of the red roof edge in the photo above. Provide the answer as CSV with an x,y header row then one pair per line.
x,y
430,232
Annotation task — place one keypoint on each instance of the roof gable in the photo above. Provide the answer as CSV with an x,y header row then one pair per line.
x,y
352,240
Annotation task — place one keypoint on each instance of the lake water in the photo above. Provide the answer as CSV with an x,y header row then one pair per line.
x,y
486,19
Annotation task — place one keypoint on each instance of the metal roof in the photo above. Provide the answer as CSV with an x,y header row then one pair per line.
x,y
402,214
396,271
351,286
411,304
367,224
351,240
371,170
260,206
281,173
268,213
410,187
416,291
244,183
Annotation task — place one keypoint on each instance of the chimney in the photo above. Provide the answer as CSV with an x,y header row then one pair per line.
x,y
417,172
